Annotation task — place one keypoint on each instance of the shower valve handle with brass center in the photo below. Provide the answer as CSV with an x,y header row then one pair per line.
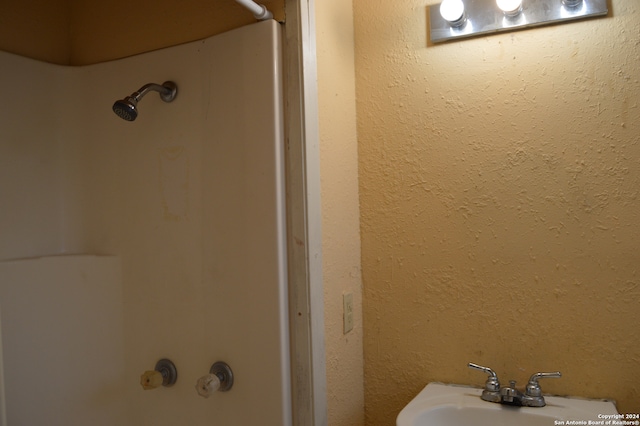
x,y
164,374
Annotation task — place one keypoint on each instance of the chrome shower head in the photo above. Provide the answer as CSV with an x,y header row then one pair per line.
x,y
127,108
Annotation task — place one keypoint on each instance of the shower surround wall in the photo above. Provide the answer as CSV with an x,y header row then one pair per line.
x,y
186,207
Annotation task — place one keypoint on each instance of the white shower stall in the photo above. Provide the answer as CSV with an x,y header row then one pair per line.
x,y
122,243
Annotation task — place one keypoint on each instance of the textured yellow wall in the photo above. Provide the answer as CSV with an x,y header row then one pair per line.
x,y
500,205
340,210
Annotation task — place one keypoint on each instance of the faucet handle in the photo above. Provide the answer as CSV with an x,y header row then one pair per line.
x,y
492,384
533,387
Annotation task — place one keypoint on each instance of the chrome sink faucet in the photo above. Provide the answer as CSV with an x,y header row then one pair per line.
x,y
510,395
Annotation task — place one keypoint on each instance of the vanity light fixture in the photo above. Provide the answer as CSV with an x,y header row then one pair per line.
x,y
452,11
510,7
454,19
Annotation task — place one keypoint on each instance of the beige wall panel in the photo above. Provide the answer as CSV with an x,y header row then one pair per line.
x,y
340,210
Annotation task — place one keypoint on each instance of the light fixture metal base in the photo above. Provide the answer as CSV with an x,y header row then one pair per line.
x,y
484,17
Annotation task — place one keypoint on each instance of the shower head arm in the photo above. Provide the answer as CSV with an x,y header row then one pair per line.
x,y
167,91
127,108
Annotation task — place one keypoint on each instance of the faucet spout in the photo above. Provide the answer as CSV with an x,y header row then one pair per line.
x,y
510,395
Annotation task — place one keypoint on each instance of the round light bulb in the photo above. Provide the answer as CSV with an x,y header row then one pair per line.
x,y
510,7
452,11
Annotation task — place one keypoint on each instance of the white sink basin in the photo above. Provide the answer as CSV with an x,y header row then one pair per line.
x,y
453,405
